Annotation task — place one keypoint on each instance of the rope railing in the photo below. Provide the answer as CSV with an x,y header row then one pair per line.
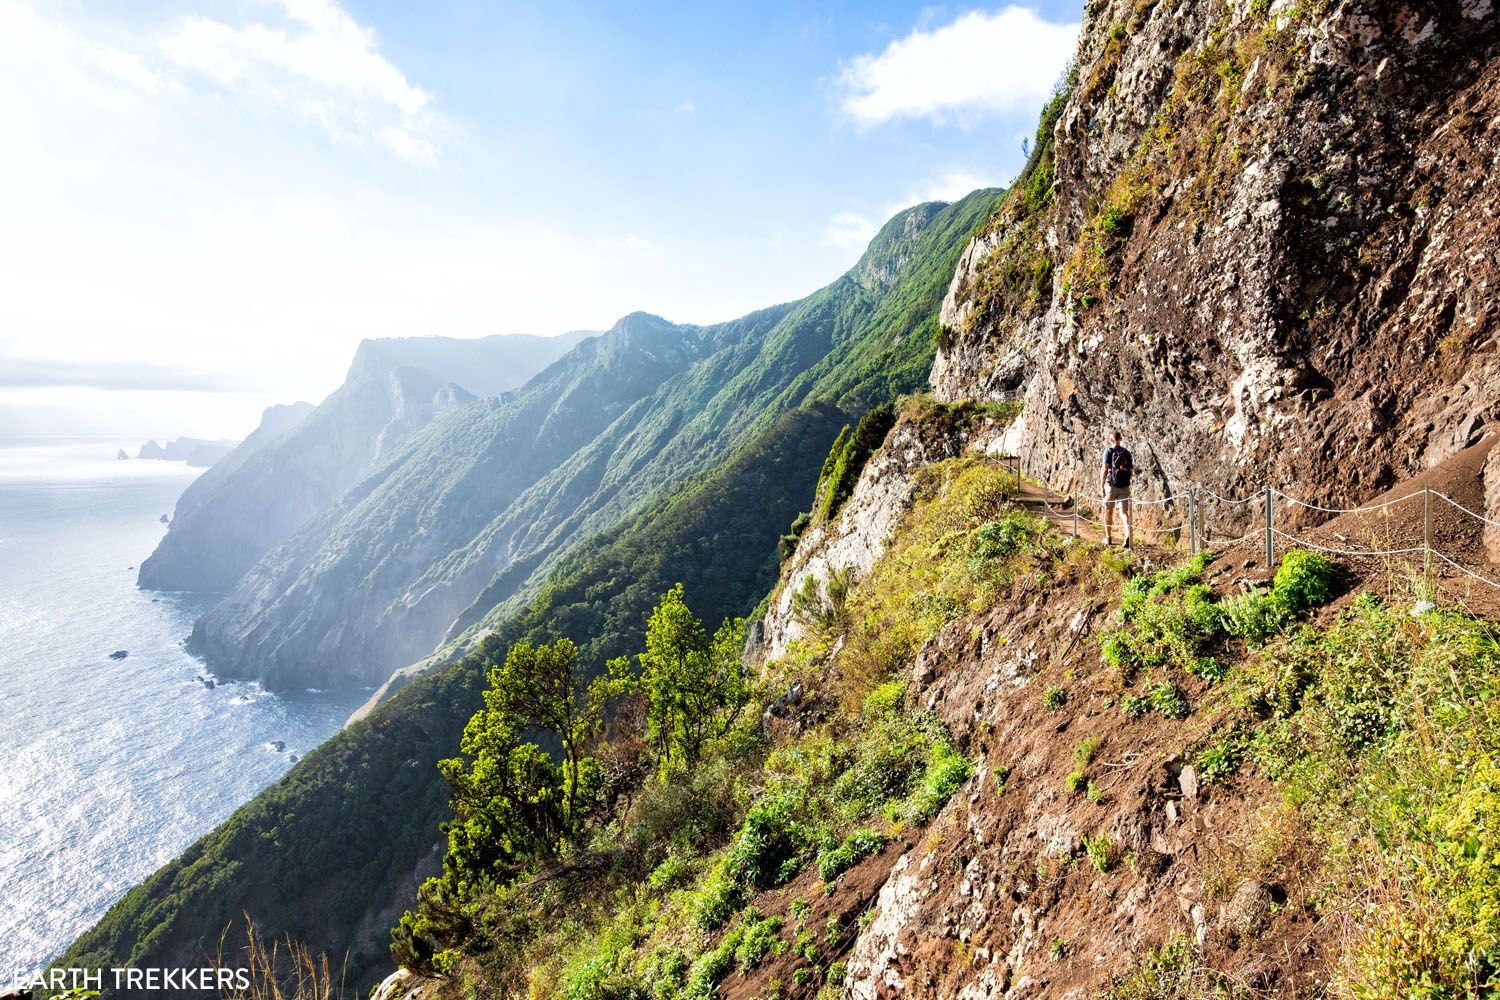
x,y
1347,510
1477,517
1268,496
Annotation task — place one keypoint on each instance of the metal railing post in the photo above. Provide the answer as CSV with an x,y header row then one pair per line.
x,y
1270,532
1193,521
1076,502
1427,537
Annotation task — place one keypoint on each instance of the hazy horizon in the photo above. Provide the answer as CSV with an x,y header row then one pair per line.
x,y
217,201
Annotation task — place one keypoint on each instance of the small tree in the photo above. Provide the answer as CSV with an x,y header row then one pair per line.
x,y
514,799
695,684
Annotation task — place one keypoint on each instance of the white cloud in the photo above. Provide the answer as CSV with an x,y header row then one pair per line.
x,y
848,230
319,62
686,108
981,65
950,185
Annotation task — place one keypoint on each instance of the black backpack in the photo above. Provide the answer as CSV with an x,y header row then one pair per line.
x,y
1118,466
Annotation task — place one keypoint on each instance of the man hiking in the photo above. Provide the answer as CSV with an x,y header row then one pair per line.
x,y
1118,468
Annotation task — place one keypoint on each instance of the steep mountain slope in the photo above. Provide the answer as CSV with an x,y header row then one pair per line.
x,y
992,761
274,422
302,616
471,513
262,491
1260,238
333,852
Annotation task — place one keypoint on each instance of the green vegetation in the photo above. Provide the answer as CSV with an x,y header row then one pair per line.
x,y
677,867
1382,730
847,459
838,858
1169,619
1103,853
695,685
1015,279
1166,973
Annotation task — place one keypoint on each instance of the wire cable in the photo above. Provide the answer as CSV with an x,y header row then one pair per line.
x,y
1343,510
1465,569
1230,500
1465,509
1346,552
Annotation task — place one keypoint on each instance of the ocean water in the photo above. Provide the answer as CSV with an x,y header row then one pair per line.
x,y
109,768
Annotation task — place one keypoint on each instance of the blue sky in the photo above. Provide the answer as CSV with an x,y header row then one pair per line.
x,y
227,195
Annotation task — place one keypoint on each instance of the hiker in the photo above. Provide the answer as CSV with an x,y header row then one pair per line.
x,y
1118,468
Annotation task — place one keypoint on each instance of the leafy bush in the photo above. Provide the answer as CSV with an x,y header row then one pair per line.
x,y
1135,706
1303,580
1013,533
1221,758
760,935
1054,698
1254,616
1165,973
1168,699
772,845
947,769
1103,853
833,861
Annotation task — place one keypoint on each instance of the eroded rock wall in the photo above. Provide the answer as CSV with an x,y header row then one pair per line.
x,y
1272,243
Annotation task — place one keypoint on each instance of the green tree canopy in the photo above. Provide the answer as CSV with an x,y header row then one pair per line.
x,y
695,684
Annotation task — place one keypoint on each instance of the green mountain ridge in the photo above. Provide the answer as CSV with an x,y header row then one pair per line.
x,y
463,521
298,462
330,853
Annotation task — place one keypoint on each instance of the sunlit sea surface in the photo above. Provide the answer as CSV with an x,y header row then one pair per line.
x,y
109,768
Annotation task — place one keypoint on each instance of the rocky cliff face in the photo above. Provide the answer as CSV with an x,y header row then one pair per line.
x,y
299,461
1260,239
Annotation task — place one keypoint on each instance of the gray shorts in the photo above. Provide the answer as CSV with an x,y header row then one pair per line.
x,y
1117,494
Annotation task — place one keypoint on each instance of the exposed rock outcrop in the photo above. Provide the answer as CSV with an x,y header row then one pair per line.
x,y
857,535
1270,243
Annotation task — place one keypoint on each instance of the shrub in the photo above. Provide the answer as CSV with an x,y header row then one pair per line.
x,y
1102,851
716,901
772,845
1013,533
1086,750
1303,580
885,700
1168,699
1135,706
1254,616
1054,698
760,935
833,861
1164,973
1221,758
947,769
1075,781
1207,668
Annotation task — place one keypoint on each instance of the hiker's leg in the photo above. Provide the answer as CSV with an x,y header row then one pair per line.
x,y
1109,520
